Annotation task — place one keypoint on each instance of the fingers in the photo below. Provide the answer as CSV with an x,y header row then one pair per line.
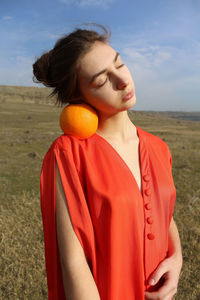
x,y
156,296
160,271
166,292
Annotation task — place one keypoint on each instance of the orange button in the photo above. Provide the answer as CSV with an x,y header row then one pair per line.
x,y
148,192
151,236
148,206
146,177
150,220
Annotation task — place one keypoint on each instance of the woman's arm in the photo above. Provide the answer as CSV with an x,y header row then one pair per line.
x,y
174,247
78,281
169,268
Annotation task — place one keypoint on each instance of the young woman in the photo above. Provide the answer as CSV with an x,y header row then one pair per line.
x,y
107,201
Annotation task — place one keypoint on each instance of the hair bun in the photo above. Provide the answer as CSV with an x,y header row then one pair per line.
x,y
59,68
41,69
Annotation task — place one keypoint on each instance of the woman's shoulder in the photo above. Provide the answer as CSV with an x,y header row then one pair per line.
x,y
153,140
69,144
71,149
65,142
61,142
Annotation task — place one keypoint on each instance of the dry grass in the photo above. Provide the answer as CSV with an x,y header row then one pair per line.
x,y
22,251
27,130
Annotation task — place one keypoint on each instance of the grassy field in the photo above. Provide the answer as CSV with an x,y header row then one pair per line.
x,y
28,127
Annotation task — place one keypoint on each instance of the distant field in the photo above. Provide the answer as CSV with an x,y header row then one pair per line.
x,y
23,94
188,116
28,127
40,96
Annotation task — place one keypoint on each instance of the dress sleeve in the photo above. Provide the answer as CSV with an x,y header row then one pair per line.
x,y
78,211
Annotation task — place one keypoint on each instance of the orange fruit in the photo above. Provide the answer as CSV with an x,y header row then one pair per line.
x,y
79,120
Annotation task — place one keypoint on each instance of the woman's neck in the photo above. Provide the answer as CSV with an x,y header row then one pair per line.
x,y
117,127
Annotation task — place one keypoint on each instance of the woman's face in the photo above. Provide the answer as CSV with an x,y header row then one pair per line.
x,y
106,90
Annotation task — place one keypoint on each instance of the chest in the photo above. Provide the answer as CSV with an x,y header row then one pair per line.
x,y
130,155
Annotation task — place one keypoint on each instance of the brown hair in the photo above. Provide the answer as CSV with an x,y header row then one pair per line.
x,y
58,67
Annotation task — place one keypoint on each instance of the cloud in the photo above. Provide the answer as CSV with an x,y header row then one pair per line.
x,y
164,60
89,3
146,62
6,18
48,35
166,74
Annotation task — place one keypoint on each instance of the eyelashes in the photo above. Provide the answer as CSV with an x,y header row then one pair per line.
x,y
103,83
120,66
107,78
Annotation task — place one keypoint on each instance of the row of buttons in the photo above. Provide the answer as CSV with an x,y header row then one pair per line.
x,y
148,206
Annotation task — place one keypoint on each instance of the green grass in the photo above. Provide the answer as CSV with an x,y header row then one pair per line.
x,y
27,131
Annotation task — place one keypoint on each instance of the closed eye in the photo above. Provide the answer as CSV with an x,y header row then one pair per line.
x,y
120,66
102,83
107,78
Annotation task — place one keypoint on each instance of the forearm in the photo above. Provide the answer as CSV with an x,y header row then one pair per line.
x,y
174,247
79,283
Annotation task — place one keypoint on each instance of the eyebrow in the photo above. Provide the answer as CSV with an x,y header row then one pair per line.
x,y
104,70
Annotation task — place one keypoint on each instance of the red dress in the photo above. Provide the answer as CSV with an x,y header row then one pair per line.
x,y
123,232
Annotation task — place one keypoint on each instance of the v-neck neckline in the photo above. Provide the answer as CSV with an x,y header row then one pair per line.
x,y
123,161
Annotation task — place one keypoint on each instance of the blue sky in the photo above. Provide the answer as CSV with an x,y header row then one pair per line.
x,y
159,40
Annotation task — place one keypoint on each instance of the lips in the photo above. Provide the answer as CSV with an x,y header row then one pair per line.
x,y
128,96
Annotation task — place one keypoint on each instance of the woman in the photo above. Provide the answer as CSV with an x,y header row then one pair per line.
x,y
107,201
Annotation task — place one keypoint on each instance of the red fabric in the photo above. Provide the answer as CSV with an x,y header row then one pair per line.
x,y
123,232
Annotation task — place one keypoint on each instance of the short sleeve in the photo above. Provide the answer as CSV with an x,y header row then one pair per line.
x,y
78,211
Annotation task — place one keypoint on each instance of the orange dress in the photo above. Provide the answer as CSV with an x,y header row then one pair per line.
x,y
123,232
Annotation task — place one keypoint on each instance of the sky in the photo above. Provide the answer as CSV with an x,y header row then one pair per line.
x,y
159,40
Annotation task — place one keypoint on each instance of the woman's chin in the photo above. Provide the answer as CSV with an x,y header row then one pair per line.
x,y
131,102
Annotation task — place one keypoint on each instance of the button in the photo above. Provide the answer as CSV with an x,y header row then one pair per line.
x,y
148,192
151,236
146,177
150,220
148,206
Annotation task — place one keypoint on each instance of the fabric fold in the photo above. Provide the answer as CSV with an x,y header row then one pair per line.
x,y
123,232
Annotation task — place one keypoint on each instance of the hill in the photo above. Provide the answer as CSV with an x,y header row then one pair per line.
x,y
39,95
24,94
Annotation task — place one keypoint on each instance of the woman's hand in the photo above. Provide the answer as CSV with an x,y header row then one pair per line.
x,y
169,269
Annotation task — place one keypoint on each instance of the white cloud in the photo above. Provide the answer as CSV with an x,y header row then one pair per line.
x,y
6,18
67,1
89,3
166,76
165,69
161,57
49,35
146,62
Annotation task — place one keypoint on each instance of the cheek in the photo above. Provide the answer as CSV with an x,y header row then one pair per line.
x,y
94,96
102,100
99,93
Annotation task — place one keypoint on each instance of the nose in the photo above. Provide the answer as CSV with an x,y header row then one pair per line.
x,y
122,83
